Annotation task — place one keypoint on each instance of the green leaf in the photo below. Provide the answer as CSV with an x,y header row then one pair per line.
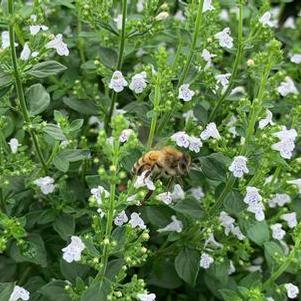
x,y
34,251
259,233
190,207
234,202
55,291
45,69
158,216
113,268
64,226
64,157
5,79
54,131
214,166
187,264
97,292
5,290
72,270
273,252
37,98
107,56
86,107
230,295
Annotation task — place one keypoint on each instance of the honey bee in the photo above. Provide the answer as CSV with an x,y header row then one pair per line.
x,y
167,162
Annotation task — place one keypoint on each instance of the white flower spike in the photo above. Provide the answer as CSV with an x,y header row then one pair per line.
x,y
136,221
207,6
121,219
287,87
206,261
26,52
277,232
291,219
99,192
265,121
291,290
175,226
181,139
146,297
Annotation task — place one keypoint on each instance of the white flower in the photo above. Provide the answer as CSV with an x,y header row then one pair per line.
x,y
165,197
237,232
270,299
117,82
117,111
175,226
224,15
25,54
14,144
19,293
253,199
118,21
231,269
121,219
207,5
207,56
162,16
280,199
277,231
296,58
58,44
99,192
147,297
177,193
180,16
195,144
140,6
5,40
286,145
185,93
181,139
35,53
224,37
189,114
210,132
265,121
252,196
211,241
290,218
238,90
137,221
265,20
258,210
231,127
100,212
34,18
74,250
125,135
296,182
197,192
142,181
138,82
227,222
46,184
34,29
239,166
206,261
292,290
290,23
223,79
286,87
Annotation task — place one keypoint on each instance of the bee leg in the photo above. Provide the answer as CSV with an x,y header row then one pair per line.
x,y
170,183
147,197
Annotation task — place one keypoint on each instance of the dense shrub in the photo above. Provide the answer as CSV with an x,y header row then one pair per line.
x,y
87,87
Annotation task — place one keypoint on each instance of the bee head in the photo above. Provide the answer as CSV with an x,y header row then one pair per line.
x,y
184,164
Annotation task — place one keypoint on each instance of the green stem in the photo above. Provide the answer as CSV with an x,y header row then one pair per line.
x,y
219,203
283,267
197,28
109,222
80,43
155,114
120,61
19,86
235,66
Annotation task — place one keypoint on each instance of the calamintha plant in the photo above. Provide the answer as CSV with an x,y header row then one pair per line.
x,y
92,205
